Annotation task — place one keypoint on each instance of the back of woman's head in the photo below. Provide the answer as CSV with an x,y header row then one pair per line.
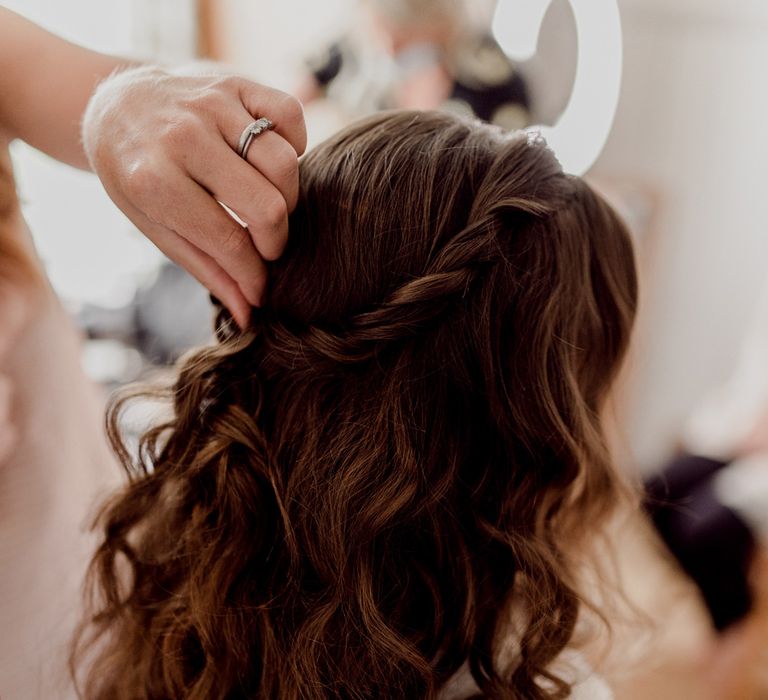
x,y
384,478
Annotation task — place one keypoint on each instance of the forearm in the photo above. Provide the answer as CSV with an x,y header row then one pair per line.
x,y
45,85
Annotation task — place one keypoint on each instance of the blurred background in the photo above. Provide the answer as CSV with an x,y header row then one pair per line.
x,y
685,162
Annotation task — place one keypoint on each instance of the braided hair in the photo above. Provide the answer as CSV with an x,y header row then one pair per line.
x,y
384,478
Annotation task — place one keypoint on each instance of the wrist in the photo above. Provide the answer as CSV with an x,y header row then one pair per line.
x,y
104,100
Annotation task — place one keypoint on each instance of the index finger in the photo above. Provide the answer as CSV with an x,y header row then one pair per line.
x,y
199,264
283,110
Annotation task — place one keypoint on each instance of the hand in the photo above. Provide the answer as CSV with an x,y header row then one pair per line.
x,y
164,145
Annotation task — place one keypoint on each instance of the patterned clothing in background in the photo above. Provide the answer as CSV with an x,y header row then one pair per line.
x,y
486,83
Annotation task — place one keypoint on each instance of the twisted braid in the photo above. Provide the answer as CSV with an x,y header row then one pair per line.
x,y
415,305
405,313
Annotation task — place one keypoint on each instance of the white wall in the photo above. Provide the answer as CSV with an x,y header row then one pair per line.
x,y
692,124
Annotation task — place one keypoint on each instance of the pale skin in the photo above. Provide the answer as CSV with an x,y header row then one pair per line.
x,y
163,144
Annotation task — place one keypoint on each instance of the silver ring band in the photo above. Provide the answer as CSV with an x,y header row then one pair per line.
x,y
251,132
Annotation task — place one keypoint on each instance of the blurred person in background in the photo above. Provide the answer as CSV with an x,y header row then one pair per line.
x,y
164,144
419,54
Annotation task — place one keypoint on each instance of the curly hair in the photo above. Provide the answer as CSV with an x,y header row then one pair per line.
x,y
385,477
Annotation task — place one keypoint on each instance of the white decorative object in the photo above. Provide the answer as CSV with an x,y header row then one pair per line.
x,y
581,132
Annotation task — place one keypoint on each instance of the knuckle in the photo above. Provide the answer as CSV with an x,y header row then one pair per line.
x,y
229,84
206,101
275,213
233,239
181,132
286,164
142,179
274,217
290,109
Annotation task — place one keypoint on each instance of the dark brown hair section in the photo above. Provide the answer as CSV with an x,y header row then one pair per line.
x,y
351,499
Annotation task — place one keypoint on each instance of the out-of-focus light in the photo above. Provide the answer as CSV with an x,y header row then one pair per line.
x,y
581,132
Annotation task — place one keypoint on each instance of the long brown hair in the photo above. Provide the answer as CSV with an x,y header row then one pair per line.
x,y
365,490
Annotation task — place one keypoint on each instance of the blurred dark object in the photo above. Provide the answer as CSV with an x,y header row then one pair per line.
x,y
712,543
165,319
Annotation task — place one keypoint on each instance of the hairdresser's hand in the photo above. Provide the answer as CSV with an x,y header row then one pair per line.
x,y
164,145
